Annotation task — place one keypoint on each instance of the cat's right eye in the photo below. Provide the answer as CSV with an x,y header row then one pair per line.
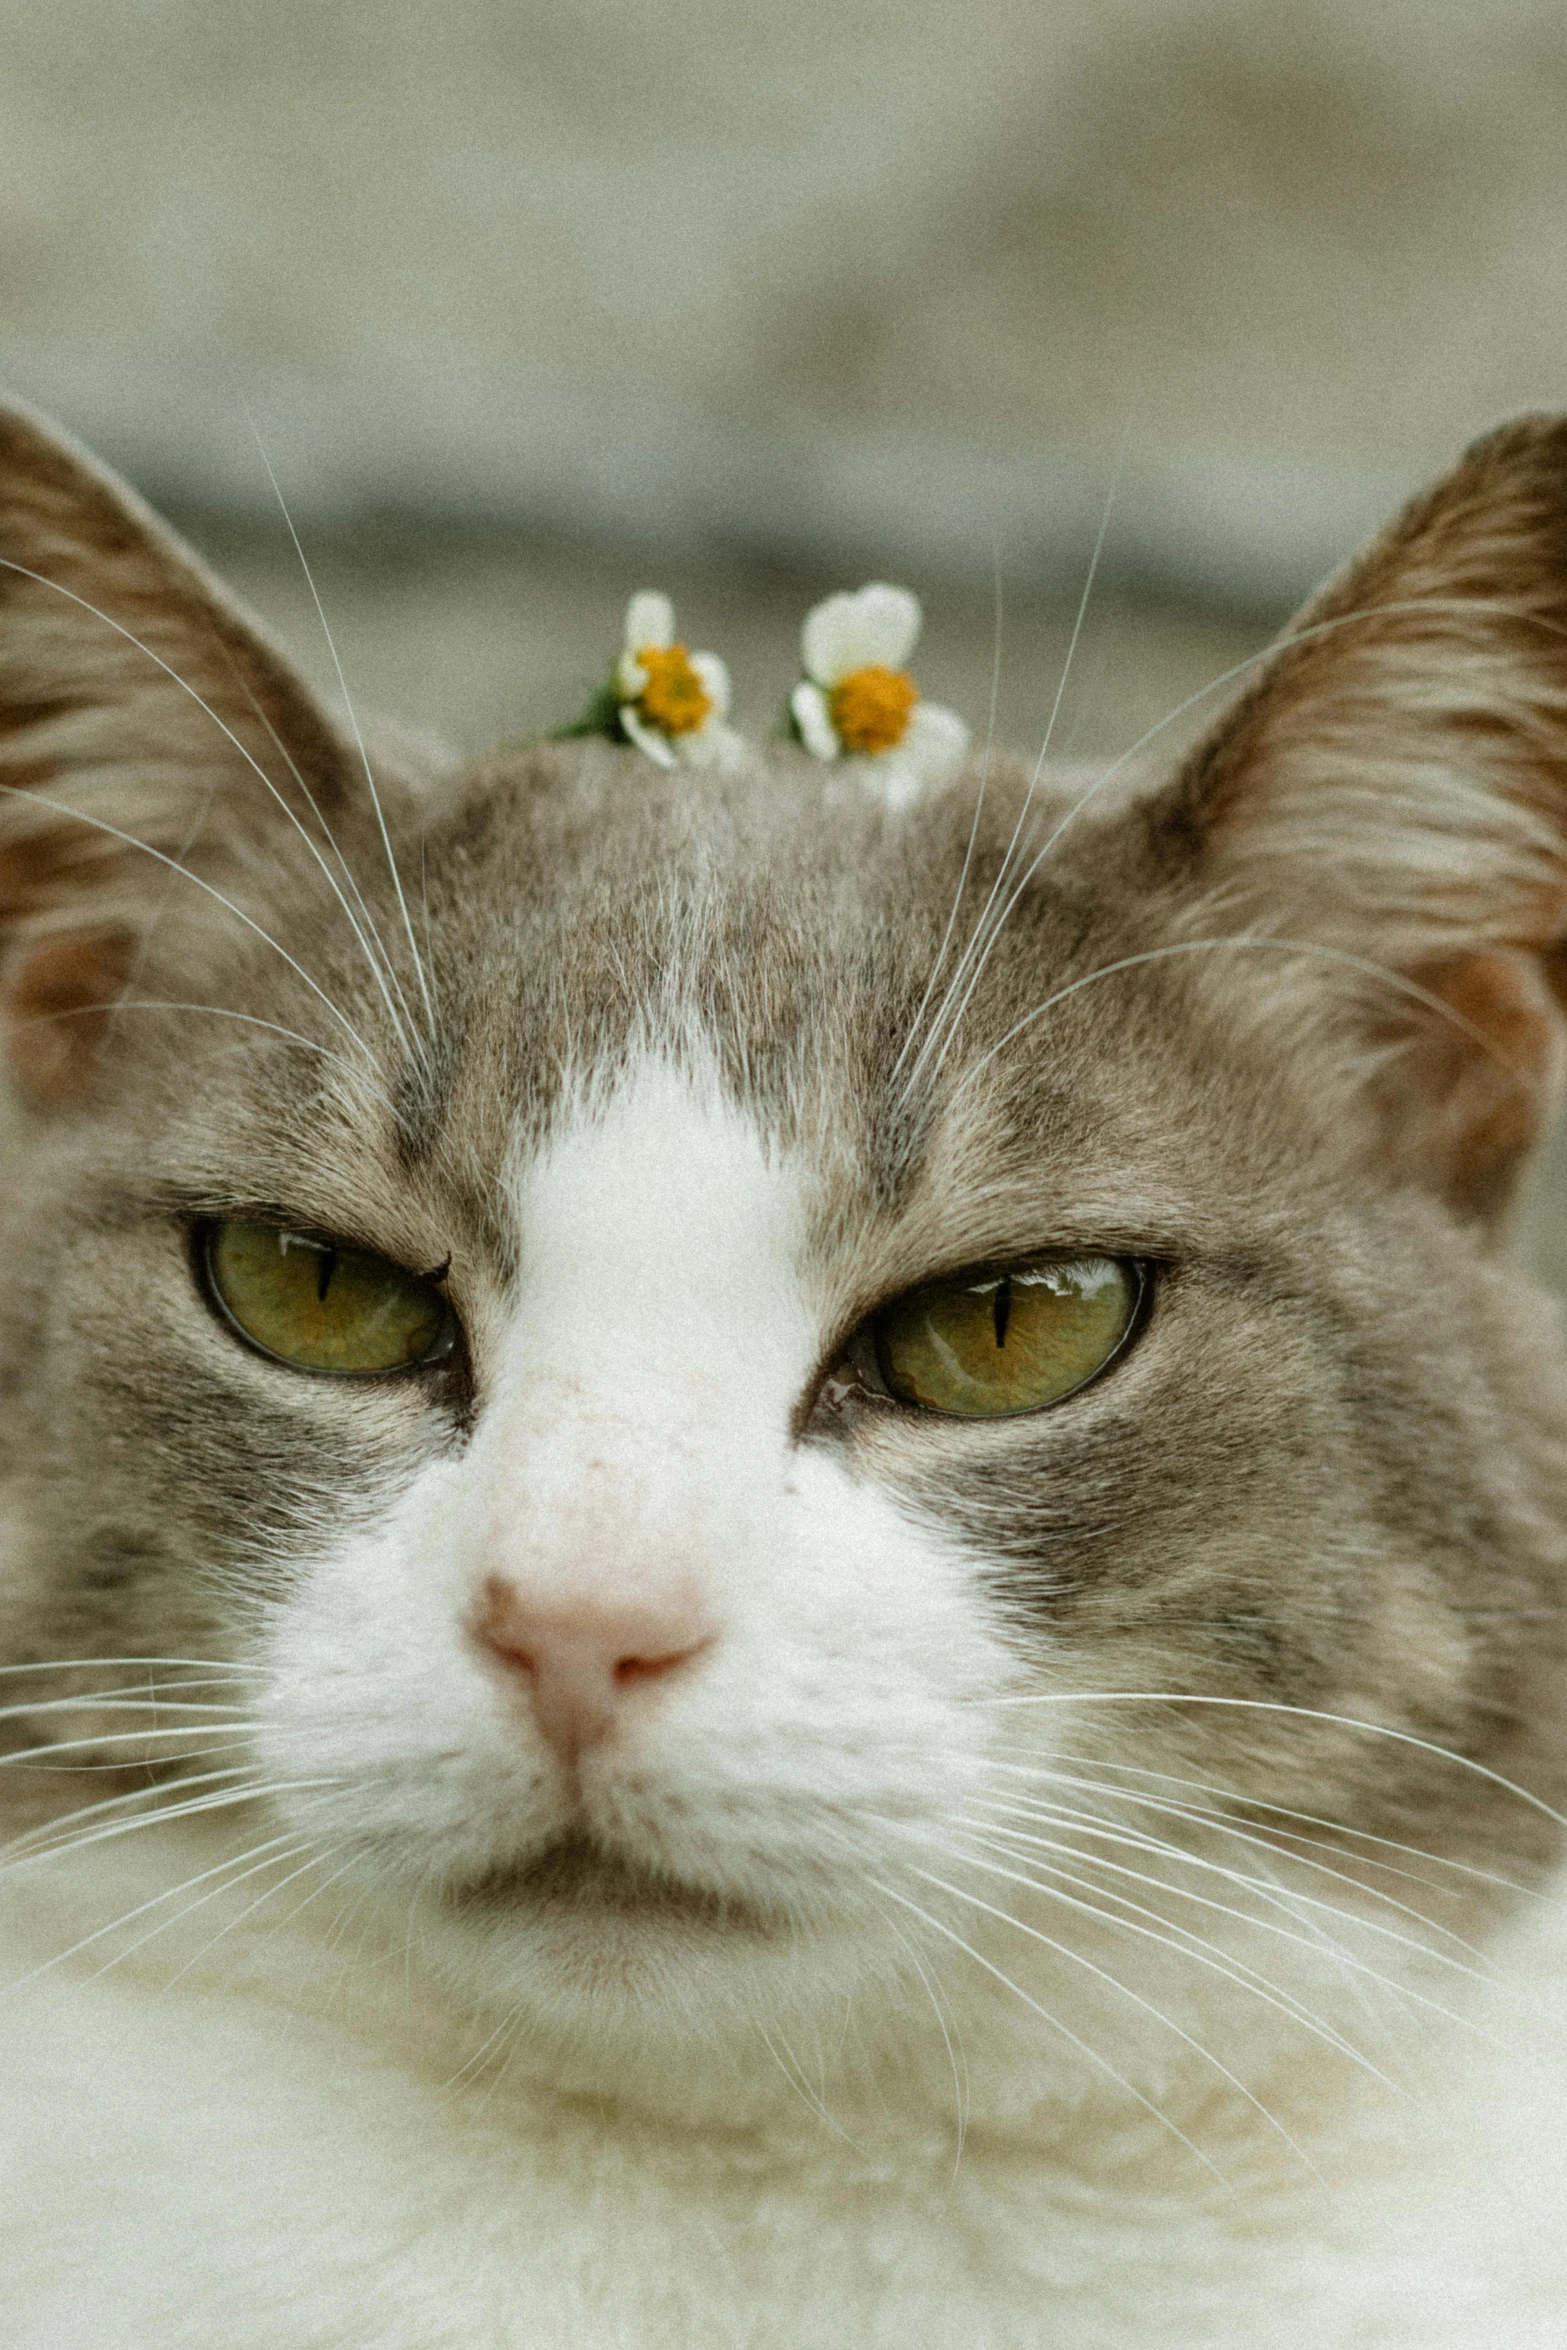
x,y
317,1305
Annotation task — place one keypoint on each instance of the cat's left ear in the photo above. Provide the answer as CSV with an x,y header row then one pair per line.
x,y
148,731
1393,788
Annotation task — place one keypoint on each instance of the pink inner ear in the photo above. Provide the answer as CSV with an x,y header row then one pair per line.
x,y
58,999
1493,1073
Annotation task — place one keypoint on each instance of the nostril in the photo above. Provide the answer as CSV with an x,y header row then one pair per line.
x,y
651,1668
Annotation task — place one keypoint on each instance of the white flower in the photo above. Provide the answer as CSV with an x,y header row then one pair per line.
x,y
858,703
672,704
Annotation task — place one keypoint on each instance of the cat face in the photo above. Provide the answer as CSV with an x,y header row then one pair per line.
x,y
663,1595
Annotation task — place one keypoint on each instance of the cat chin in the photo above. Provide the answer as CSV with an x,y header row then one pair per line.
x,y
578,1882
612,1957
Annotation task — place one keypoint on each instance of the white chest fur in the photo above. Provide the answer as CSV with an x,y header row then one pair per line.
x,y
236,2157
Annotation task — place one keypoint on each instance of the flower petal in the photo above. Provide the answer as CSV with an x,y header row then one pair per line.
x,y
935,743
873,628
714,674
647,738
809,707
631,679
650,620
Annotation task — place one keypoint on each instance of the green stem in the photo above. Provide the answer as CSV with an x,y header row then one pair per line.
x,y
602,716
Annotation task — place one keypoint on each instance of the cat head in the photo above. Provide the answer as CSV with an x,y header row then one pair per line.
x,y
760,1393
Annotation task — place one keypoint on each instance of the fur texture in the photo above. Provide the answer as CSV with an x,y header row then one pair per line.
x,y
1068,1879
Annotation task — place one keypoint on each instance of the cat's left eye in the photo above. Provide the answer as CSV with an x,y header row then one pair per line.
x,y
986,1345
318,1305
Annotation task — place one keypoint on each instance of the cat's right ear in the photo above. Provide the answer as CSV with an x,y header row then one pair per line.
x,y
152,744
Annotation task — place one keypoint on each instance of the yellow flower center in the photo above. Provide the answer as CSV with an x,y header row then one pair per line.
x,y
870,708
674,698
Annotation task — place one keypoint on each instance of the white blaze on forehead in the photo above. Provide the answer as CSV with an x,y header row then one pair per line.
x,y
662,1246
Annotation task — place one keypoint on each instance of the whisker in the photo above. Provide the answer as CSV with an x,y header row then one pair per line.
x,y
1306,1852
325,1887
157,1817
1280,1843
63,1835
1276,1896
1074,2039
84,1664
973,835
795,2074
38,799
1274,1705
1257,1803
503,2062
358,1903
941,1020
960,2085
1080,1958
142,1700
1395,981
1103,1831
1186,1944
373,945
353,720
250,1907
210,1012
155,1901
271,1860
30,1755
471,2064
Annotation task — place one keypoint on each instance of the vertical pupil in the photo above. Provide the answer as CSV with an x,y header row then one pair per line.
x,y
1002,1309
326,1266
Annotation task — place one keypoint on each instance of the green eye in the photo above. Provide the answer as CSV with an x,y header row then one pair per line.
x,y
988,1344
320,1307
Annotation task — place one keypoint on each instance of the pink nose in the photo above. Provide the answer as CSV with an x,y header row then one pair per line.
x,y
585,1658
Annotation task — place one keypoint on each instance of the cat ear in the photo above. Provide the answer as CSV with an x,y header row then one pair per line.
x,y
148,733
1394,789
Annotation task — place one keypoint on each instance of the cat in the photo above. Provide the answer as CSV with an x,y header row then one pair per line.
x,y
779,1571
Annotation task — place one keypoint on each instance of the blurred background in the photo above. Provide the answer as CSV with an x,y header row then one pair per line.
x,y
531,302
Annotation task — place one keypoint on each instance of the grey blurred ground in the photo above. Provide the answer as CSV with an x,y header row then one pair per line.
x,y
875,284
531,302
